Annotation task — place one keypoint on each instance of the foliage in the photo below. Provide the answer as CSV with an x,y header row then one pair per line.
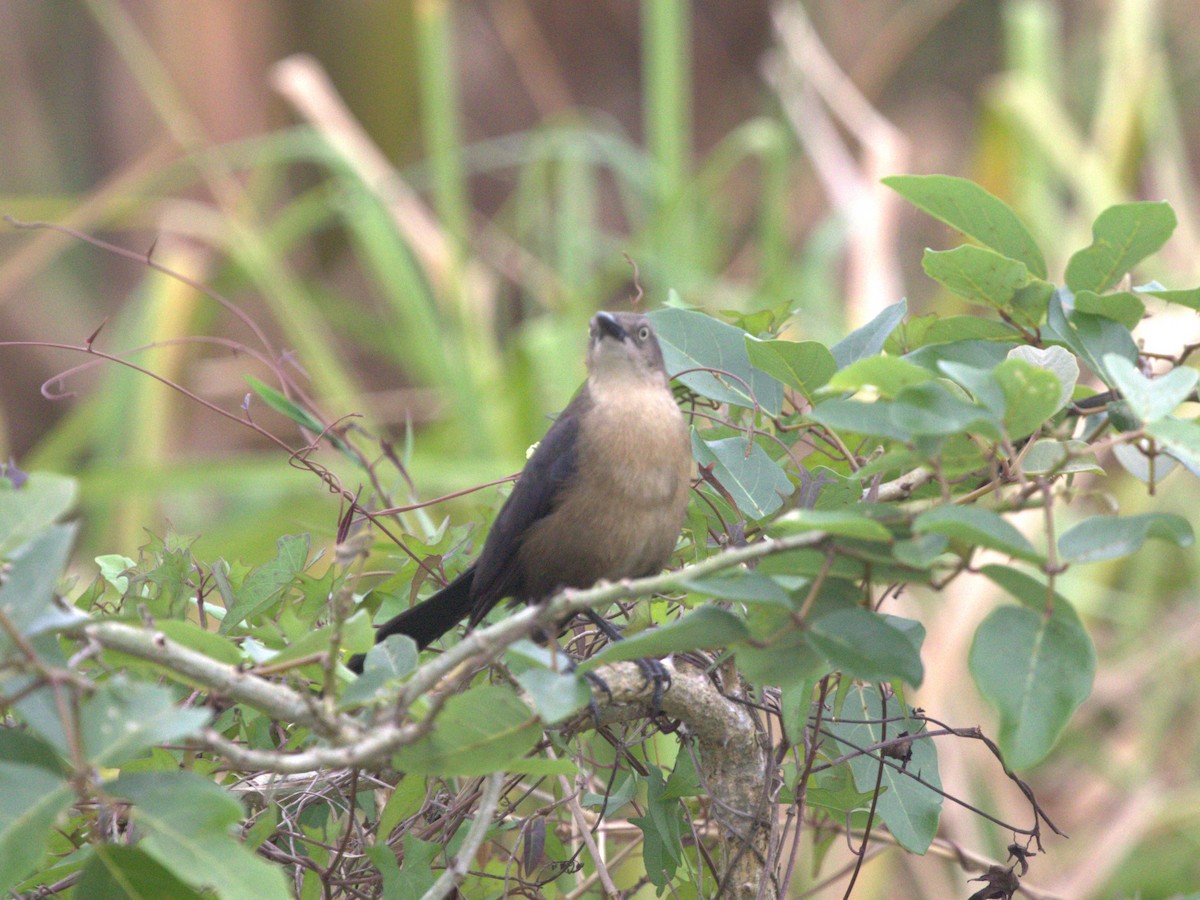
x,y
902,455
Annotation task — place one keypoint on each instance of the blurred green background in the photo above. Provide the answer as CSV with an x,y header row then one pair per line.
x,y
422,212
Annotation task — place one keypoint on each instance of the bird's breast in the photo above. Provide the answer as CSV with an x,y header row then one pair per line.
x,y
622,512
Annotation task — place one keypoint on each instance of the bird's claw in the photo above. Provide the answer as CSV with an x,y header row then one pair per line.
x,y
654,672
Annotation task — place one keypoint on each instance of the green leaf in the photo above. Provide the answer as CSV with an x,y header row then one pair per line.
x,y
692,340
30,800
1033,593
787,660
1122,306
1059,457
985,355
297,414
31,508
417,875
1189,298
684,780
966,206
874,419
1107,537
934,329
976,274
1150,400
538,766
1143,465
1089,337
802,365
388,662
869,340
1179,438
1036,670
909,810
920,552
745,585
122,719
556,695
1032,395
663,828
265,585
862,645
978,527
1053,359
930,409
27,594
704,628
833,790
755,481
27,749
114,872
849,523
186,821
887,375
477,733
406,801
1122,236
190,635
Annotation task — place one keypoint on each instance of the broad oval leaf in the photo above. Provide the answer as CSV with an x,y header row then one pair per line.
x,y
186,823
122,719
692,340
1122,236
1088,336
865,646
30,800
1048,457
556,695
978,526
930,409
975,212
874,419
887,375
869,340
1032,395
803,365
755,481
1121,306
477,733
1150,400
36,504
977,274
117,871
909,809
1107,537
27,594
1035,670
843,522
705,628
1053,359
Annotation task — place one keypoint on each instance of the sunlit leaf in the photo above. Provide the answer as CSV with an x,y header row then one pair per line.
x,y
1122,236
966,206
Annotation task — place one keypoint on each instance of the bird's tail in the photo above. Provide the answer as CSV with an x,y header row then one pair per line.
x,y
430,619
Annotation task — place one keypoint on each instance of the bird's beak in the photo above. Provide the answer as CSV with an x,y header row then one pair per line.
x,y
606,324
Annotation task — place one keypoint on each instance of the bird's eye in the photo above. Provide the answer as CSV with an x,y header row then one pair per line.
x,y
644,333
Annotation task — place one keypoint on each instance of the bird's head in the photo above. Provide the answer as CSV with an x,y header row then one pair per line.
x,y
623,347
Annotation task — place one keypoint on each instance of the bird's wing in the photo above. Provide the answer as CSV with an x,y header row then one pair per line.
x,y
497,574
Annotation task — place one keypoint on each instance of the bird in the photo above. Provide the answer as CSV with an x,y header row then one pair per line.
x,y
603,496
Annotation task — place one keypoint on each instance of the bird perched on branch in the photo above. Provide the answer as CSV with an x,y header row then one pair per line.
x,y
602,497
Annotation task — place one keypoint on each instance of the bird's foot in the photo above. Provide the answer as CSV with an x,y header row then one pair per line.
x,y
601,685
654,672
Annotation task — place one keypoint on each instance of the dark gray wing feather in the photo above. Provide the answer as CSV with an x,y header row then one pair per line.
x,y
497,571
